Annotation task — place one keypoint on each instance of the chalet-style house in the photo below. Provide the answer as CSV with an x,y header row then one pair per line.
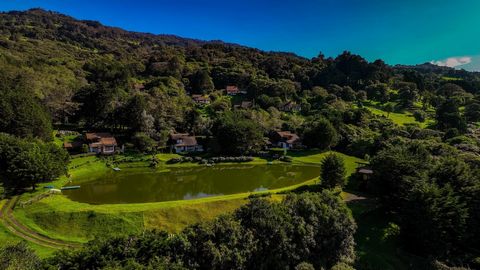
x,y
233,90
101,143
183,142
199,99
286,140
290,106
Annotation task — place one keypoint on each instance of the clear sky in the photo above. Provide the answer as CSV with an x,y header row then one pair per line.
x,y
397,31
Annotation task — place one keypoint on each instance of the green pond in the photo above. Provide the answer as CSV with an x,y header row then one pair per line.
x,y
140,185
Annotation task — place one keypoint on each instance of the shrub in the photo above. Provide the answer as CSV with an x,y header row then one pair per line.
x,y
420,116
285,159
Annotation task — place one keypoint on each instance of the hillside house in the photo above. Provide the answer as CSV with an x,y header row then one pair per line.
x,y
183,142
199,99
101,143
233,90
286,140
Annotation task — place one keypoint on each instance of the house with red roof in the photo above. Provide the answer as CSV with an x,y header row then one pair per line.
x,y
286,140
183,142
101,142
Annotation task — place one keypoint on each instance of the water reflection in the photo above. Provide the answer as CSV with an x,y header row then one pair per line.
x,y
145,185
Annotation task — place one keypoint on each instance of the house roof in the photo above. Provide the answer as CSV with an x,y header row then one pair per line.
x,y
232,89
176,136
97,135
101,138
71,145
246,104
108,141
288,136
365,171
188,141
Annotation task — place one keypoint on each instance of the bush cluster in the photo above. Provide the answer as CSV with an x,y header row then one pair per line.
x,y
212,160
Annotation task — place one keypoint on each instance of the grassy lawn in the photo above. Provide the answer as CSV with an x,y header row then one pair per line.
x,y
61,218
400,118
7,238
316,157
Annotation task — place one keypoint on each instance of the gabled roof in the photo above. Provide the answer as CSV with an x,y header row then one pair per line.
x,y
186,139
365,171
100,138
176,136
288,136
232,89
97,135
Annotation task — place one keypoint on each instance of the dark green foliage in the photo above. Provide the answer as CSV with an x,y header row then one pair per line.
x,y
144,143
420,116
333,172
448,116
320,134
313,229
407,95
201,82
237,134
19,256
472,112
21,113
24,163
428,194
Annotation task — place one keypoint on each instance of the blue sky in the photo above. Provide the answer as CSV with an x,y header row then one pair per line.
x,y
397,31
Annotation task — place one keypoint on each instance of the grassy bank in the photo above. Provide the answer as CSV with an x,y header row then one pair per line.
x,y
61,218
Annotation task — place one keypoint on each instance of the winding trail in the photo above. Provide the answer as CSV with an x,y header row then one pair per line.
x,y
22,231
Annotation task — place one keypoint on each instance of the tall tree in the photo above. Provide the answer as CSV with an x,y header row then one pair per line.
x,y
333,172
320,134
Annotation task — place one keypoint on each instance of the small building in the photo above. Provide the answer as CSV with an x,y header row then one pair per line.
x,y
365,173
233,90
183,142
101,143
199,99
286,140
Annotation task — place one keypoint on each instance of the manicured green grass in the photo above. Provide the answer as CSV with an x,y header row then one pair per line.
x,y
60,140
400,118
7,238
316,157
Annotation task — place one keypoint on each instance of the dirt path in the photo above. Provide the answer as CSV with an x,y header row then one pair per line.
x,y
22,231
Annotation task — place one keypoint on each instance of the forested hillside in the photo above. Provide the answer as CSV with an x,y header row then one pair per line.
x,y
418,126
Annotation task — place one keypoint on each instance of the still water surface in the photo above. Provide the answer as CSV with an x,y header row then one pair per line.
x,y
145,185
